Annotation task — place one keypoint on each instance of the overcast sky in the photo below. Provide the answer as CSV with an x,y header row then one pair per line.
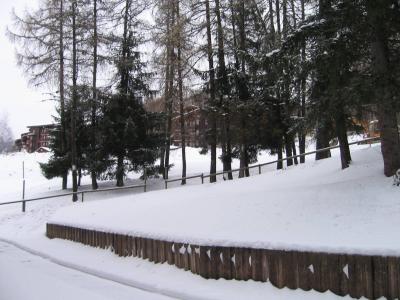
x,y
23,105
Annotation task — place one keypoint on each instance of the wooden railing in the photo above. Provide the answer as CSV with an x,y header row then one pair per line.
x,y
202,176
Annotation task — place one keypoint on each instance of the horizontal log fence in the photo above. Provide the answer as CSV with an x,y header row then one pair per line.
x,y
82,193
368,276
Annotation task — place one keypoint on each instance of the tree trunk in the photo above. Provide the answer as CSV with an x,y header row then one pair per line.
x,y
180,94
94,98
341,132
74,106
294,152
62,93
224,94
170,79
390,143
212,104
322,141
79,176
302,134
243,92
279,165
120,170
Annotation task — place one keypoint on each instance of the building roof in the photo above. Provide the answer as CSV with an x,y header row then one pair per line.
x,y
45,125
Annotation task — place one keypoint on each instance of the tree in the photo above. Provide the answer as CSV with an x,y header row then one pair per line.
x,y
41,42
6,136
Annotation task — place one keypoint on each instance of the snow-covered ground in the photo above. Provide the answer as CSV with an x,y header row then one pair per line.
x,y
313,206
27,276
37,185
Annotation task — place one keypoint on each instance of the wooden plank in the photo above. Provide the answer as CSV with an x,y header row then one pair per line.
x,y
264,263
315,268
186,259
204,266
256,265
177,255
289,270
335,271
275,265
239,264
170,253
246,268
393,277
193,260
226,263
215,262
324,271
380,267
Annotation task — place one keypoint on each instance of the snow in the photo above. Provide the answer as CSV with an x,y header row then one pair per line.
x,y
37,185
41,279
161,279
313,207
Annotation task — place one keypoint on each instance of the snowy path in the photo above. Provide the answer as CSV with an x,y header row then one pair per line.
x,y
26,276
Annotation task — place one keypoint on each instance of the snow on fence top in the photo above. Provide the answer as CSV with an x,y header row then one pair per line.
x,y
313,207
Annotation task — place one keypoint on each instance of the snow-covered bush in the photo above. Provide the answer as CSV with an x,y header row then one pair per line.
x,y
396,178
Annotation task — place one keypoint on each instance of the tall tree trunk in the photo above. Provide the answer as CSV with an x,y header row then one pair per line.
x,y
93,174
224,94
390,143
324,123
74,106
169,99
180,93
62,93
278,16
212,105
271,21
302,134
288,135
243,92
166,91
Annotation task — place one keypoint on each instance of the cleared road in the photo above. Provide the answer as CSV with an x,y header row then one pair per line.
x,y
24,276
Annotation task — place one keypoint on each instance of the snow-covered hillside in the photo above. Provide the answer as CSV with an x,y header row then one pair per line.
x,y
315,206
37,185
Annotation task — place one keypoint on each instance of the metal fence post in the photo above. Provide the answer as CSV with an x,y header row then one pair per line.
x,y
82,195
166,184
202,178
259,169
23,187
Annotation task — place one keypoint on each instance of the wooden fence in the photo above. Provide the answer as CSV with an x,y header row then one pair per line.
x,y
355,275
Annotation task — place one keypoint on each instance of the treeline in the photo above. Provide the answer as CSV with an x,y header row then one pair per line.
x,y
273,72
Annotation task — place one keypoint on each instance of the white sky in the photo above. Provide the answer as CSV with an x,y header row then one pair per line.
x,y
23,105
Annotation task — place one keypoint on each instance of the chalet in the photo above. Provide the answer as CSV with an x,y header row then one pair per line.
x,y
37,138
195,118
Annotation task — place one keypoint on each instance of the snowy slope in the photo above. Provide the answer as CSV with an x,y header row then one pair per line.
x,y
316,207
37,185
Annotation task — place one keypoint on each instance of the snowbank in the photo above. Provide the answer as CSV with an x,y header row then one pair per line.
x,y
313,207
